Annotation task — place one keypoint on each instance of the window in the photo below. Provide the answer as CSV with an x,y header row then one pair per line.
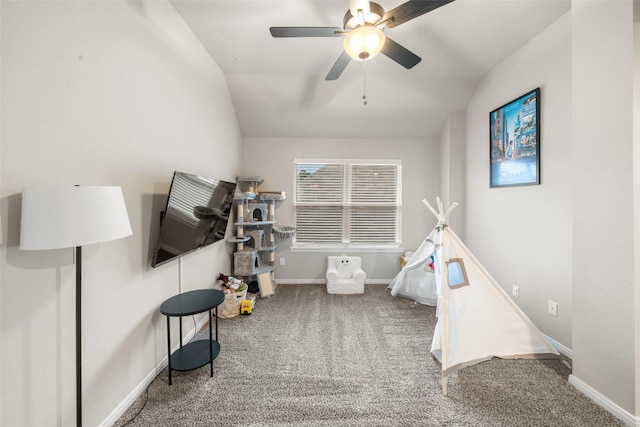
x,y
456,273
347,203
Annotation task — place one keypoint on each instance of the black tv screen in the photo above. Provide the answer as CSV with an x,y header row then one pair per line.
x,y
196,215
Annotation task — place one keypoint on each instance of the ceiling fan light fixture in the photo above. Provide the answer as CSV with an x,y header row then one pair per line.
x,y
364,42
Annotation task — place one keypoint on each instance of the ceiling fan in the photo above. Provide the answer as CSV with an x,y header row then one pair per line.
x,y
363,27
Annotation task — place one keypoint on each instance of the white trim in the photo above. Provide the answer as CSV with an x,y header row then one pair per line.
x,y
353,161
122,407
604,402
344,248
566,351
300,282
377,282
347,201
133,395
323,281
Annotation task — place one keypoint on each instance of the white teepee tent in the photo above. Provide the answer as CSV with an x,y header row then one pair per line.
x,y
477,320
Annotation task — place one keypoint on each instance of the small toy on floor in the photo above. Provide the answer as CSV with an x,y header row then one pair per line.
x,y
246,306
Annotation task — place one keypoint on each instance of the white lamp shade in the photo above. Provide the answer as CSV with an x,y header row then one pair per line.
x,y
65,217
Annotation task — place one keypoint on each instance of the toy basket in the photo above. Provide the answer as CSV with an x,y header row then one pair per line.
x,y
285,232
231,305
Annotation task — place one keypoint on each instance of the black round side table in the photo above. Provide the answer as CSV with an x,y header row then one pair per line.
x,y
196,353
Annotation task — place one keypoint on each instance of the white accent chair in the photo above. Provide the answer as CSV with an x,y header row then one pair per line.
x,y
345,275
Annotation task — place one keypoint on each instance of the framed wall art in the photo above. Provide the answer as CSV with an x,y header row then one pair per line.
x,y
514,138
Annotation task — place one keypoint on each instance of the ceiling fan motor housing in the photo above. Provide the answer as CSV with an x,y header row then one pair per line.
x,y
376,12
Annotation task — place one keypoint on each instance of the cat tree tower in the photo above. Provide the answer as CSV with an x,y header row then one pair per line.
x,y
254,258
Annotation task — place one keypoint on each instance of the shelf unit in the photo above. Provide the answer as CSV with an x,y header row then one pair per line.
x,y
254,236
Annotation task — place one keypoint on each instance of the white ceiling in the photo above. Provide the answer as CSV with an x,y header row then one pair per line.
x,y
278,87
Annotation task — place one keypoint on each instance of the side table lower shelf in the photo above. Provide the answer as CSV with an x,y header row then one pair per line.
x,y
194,355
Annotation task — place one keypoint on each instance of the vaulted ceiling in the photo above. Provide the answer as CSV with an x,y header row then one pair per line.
x,y
278,85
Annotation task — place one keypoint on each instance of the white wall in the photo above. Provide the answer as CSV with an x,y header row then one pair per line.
x,y
523,234
636,182
453,169
272,159
603,199
99,93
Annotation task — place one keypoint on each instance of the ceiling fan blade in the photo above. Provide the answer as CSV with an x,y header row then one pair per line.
x,y
339,66
400,54
409,10
306,31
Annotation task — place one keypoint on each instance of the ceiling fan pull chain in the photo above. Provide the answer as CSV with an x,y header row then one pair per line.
x,y
364,82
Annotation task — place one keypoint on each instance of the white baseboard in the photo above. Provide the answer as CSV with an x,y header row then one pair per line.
x,y
323,281
604,402
131,397
148,379
300,282
594,395
566,351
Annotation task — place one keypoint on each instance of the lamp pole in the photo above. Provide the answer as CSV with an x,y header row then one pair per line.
x,y
79,336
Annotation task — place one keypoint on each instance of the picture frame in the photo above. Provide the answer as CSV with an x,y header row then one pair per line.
x,y
514,142
265,284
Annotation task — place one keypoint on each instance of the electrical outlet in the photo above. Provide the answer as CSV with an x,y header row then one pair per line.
x,y
282,261
553,308
515,291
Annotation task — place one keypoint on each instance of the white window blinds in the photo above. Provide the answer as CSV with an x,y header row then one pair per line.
x,y
347,202
187,192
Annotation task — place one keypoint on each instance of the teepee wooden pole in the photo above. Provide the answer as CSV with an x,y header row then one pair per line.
x,y
444,384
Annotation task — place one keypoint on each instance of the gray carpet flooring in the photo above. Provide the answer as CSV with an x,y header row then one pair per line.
x,y
307,358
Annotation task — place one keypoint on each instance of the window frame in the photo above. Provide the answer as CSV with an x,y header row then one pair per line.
x,y
346,205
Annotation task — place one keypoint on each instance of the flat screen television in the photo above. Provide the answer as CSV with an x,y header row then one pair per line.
x,y
195,216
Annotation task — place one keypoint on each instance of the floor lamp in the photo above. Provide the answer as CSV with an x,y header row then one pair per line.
x,y
71,217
